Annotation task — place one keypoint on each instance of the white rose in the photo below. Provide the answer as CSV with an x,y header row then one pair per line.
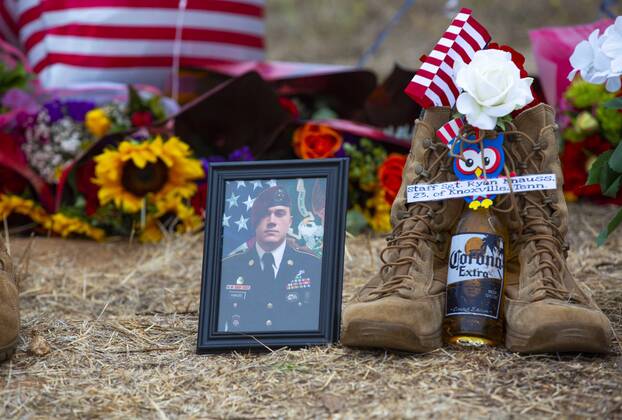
x,y
492,88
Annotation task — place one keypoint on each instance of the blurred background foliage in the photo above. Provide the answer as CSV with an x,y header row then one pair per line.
x,y
339,31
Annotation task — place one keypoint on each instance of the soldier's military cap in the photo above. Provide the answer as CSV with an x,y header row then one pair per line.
x,y
273,196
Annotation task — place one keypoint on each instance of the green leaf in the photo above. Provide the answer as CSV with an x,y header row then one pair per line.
x,y
615,103
615,162
135,102
597,167
607,177
611,226
614,187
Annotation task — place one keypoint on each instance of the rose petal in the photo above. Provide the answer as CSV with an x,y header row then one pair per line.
x,y
465,104
500,110
482,121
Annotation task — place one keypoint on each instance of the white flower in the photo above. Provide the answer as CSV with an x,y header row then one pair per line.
x,y
492,88
612,48
70,145
599,58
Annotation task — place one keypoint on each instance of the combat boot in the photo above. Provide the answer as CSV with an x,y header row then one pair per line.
x,y
546,310
402,306
9,311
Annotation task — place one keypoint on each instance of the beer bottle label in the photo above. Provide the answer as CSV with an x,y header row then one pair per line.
x,y
475,275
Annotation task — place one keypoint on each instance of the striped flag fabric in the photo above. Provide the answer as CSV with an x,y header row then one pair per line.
x,y
131,41
433,84
449,131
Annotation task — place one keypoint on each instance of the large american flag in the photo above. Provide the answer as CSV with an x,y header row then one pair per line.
x,y
68,41
433,84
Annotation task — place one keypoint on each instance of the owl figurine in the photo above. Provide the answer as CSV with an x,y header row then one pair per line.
x,y
475,162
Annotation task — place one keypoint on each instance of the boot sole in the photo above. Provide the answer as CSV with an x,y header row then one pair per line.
x,y
7,351
559,339
389,336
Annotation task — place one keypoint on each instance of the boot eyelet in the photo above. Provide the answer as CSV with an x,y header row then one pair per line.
x,y
427,143
419,169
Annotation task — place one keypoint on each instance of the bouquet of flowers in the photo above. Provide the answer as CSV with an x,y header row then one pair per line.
x,y
375,173
56,134
591,128
595,132
142,186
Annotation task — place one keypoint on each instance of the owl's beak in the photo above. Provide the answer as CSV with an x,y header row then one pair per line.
x,y
478,172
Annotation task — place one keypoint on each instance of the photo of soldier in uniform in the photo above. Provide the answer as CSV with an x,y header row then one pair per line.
x,y
272,255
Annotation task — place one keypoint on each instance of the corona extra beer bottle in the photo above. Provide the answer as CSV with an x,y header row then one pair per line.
x,y
475,280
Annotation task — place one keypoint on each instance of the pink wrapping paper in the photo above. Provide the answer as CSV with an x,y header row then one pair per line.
x,y
552,48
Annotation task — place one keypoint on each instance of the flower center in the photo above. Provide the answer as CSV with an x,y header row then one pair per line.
x,y
141,181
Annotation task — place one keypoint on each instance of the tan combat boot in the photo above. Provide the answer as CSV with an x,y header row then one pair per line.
x,y
9,311
402,307
545,310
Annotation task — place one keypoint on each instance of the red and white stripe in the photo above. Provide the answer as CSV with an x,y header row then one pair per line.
x,y
68,41
449,131
8,21
433,84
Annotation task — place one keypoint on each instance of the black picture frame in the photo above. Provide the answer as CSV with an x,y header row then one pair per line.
x,y
335,171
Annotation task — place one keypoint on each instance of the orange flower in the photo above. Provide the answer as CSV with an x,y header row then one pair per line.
x,y
390,175
313,141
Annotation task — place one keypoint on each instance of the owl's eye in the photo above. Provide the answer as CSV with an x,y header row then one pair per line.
x,y
472,160
491,159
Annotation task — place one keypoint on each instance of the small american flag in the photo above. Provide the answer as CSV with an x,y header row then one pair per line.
x,y
448,132
131,41
434,85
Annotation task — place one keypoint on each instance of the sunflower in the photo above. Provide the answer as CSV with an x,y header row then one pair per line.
x,y
136,174
67,225
14,204
151,233
190,220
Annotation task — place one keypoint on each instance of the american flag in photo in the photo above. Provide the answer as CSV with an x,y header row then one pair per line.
x,y
131,41
433,84
236,219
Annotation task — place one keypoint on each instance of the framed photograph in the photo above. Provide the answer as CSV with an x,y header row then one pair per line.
x,y
273,254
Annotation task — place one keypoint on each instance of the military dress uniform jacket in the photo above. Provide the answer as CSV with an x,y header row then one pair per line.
x,y
252,302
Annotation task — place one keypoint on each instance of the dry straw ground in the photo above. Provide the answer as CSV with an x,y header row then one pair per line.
x,y
120,321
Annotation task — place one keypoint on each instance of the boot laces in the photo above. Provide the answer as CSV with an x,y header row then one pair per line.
x,y
538,226
415,226
405,240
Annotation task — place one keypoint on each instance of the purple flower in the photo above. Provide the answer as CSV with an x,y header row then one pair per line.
x,y
18,99
241,154
78,109
54,109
